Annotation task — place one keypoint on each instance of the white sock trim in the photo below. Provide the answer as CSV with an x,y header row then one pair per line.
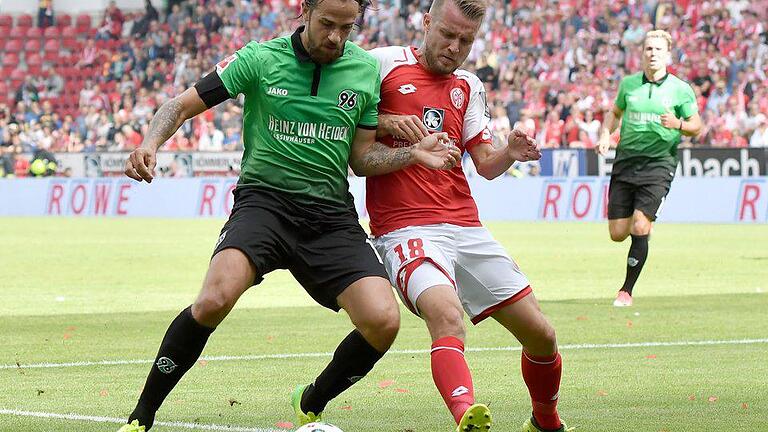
x,y
446,348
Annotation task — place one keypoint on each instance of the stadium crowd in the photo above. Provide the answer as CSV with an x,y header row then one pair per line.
x,y
551,68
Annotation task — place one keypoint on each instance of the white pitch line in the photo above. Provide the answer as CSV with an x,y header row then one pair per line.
x,y
392,352
98,419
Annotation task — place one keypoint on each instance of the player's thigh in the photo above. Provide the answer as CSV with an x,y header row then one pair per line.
x,y
260,233
327,264
528,324
650,198
487,278
373,310
404,251
252,243
229,275
439,304
621,199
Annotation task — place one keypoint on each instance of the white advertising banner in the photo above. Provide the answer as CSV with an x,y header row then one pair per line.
x,y
715,200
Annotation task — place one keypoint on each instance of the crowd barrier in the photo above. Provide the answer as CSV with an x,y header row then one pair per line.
x,y
711,200
696,162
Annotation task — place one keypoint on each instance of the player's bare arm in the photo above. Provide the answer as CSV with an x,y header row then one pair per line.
x,y
690,126
168,119
492,162
369,157
403,127
610,123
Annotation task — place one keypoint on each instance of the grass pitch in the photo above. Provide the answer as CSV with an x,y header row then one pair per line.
x,y
84,304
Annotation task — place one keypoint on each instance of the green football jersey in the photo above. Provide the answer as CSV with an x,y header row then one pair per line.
x,y
299,118
644,141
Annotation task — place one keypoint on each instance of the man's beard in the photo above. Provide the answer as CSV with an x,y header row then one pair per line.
x,y
434,64
319,55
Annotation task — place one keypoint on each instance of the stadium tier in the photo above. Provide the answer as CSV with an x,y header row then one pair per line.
x,y
79,83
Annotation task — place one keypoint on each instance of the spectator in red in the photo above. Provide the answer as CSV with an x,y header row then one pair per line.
x,y
552,130
112,24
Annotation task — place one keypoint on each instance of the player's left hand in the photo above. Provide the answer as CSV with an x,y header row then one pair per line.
x,y
436,151
670,121
522,147
403,127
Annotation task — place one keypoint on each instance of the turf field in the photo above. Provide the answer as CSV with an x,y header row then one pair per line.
x,y
84,304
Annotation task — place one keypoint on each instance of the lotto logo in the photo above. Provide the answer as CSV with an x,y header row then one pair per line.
x,y
407,89
460,390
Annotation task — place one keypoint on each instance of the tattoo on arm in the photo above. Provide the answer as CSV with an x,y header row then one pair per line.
x,y
164,123
381,159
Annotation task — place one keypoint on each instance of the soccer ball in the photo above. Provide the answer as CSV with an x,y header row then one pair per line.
x,y
318,427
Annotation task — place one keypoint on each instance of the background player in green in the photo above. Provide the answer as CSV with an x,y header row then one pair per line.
x,y
310,111
655,108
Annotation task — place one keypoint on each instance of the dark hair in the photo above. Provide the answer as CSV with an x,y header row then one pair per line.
x,y
364,4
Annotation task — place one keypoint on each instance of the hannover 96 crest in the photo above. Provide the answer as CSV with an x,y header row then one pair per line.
x,y
347,100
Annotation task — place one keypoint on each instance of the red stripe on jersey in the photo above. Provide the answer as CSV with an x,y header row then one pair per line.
x,y
416,195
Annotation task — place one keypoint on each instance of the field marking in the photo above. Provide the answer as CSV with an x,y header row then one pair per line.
x,y
391,352
98,419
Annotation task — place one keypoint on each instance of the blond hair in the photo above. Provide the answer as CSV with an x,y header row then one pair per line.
x,y
472,9
661,34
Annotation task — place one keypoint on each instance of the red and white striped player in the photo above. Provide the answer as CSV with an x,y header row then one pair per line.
x,y
425,223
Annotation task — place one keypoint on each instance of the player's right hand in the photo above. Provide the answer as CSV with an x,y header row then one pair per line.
x,y
603,144
436,151
141,165
404,127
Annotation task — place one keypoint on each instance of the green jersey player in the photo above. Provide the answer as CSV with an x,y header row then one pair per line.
x,y
310,111
655,108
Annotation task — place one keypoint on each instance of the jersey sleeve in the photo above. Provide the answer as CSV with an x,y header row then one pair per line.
x,y
240,70
477,117
687,106
621,101
369,119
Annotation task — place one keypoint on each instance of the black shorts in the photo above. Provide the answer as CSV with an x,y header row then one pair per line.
x,y
625,195
325,251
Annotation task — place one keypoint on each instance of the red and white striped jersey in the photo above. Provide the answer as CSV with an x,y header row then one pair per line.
x,y
454,104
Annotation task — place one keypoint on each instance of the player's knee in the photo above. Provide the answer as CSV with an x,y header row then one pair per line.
x,y
641,227
618,235
211,308
543,342
448,322
383,325
214,302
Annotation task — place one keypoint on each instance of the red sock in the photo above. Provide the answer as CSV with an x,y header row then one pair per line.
x,y
451,375
542,376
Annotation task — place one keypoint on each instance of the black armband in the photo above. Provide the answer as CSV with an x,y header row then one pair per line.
x,y
211,90
367,127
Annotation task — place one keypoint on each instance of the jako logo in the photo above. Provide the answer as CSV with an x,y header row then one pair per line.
x,y
275,91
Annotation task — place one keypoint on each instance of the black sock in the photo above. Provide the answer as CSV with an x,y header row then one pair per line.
x,y
638,251
353,359
180,349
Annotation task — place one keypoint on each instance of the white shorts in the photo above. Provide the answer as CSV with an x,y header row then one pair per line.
x,y
468,258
